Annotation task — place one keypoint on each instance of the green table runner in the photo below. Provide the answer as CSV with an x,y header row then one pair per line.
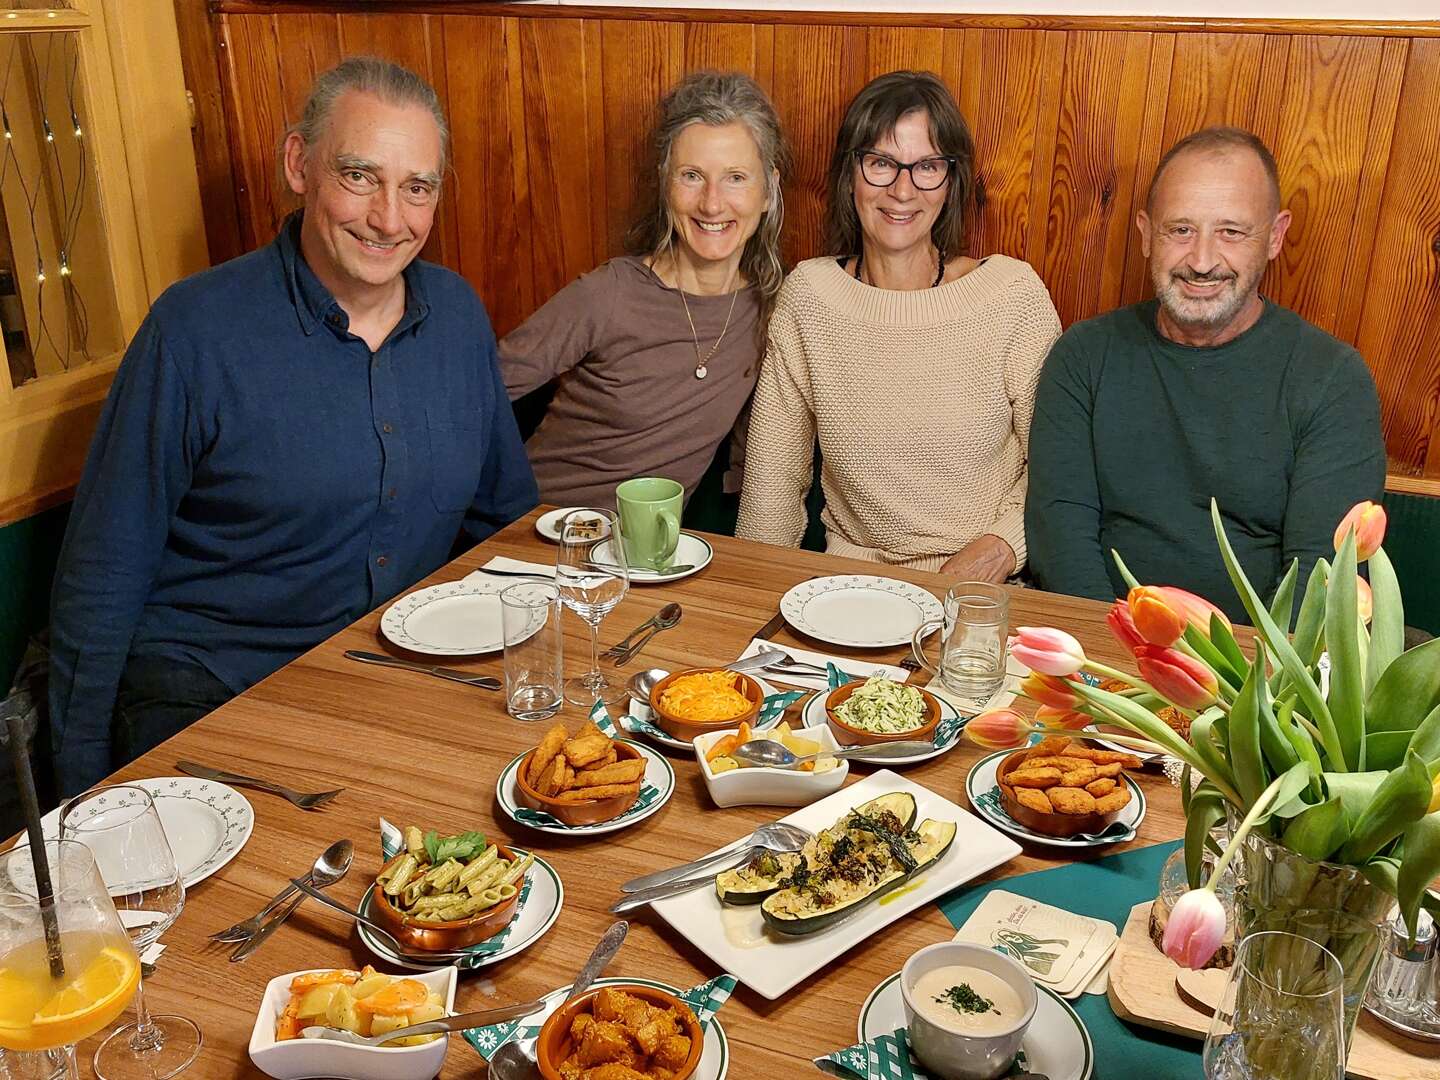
x,y
1102,889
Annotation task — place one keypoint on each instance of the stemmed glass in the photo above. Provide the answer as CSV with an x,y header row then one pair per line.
x,y
47,1007
592,576
1282,1016
120,825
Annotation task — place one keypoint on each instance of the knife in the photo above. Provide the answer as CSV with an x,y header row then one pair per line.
x,y
485,682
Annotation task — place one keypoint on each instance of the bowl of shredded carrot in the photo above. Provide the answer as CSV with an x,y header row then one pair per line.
x,y
690,703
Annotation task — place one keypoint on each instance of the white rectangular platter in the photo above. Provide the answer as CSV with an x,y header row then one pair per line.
x,y
735,937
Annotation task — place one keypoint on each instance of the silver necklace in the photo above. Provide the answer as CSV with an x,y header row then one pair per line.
x,y
701,362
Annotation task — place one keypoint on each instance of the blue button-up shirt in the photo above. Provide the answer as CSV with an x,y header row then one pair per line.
x,y
259,479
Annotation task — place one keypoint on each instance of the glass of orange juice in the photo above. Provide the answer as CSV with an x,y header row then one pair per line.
x,y
50,999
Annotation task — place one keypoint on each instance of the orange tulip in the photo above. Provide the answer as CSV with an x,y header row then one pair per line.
x,y
1179,679
1050,690
1123,626
998,729
1368,521
1160,613
1364,599
1067,719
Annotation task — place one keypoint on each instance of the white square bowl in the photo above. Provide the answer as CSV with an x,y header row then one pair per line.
x,y
295,1059
770,787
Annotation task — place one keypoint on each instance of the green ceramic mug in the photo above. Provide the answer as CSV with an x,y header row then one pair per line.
x,y
649,509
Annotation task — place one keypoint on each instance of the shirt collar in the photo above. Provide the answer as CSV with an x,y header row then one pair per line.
x,y
316,306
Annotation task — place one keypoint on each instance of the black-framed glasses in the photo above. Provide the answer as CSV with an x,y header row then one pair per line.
x,y
927,174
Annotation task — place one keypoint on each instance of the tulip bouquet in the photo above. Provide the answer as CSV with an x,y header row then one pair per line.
x,y
1329,785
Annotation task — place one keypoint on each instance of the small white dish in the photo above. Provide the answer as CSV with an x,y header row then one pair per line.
x,y
206,822
958,1055
641,711
984,796
1057,1044
548,524
692,550
658,773
293,1059
861,611
536,916
814,714
770,787
455,618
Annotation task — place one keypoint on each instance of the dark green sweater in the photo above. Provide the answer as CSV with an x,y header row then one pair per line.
x,y
1133,434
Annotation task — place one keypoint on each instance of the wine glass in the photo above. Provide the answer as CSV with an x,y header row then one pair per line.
x,y
120,825
53,997
592,576
1282,1016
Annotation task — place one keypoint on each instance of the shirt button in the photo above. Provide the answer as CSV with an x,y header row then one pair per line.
x,y
382,560
387,428
393,493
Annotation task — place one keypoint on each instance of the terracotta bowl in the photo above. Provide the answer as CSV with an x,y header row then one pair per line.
x,y
590,812
553,1045
846,735
1049,824
441,936
680,728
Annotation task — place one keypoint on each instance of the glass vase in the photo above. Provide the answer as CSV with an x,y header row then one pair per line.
x,y
1332,905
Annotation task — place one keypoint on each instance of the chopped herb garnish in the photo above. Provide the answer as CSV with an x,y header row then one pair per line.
x,y
965,1000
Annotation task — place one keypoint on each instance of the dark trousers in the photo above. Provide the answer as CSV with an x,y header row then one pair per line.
x,y
159,697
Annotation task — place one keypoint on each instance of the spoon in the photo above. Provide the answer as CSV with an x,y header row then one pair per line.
x,y
338,852
767,753
777,836
642,682
516,1059
663,619
436,955
332,865
460,1022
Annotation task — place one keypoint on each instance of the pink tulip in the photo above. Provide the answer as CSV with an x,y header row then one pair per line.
x,y
1047,650
1123,626
1068,719
1049,690
998,729
1195,929
1364,599
1368,521
1160,613
1180,679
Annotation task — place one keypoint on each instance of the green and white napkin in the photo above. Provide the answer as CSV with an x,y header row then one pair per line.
x,y
946,731
648,792
392,842
886,1057
705,1000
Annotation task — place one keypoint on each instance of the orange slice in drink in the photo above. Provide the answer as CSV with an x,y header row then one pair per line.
x,y
90,1001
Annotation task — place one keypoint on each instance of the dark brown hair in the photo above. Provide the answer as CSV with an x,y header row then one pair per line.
x,y
871,116
1220,138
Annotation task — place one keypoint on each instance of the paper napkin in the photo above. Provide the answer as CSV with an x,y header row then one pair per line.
x,y
1059,949
519,566
887,1057
392,842
819,682
704,999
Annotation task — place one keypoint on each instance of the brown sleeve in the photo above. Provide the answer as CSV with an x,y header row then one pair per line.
x,y
561,334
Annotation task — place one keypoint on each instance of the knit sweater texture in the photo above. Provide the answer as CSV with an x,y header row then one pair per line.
x,y
921,403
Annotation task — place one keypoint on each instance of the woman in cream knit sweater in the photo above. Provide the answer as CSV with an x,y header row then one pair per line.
x,y
913,365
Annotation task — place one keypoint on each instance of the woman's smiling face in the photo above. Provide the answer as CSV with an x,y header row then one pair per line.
x,y
717,191
898,218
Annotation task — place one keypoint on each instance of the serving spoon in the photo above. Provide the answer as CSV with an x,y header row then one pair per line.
x,y
777,836
767,753
642,682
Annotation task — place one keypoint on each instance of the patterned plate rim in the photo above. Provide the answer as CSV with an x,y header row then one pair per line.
x,y
819,696
793,609
675,744
392,622
1008,824
509,805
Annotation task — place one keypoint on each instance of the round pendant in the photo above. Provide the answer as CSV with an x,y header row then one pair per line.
x,y
701,371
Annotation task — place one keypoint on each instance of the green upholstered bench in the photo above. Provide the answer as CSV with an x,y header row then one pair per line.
x,y
1412,540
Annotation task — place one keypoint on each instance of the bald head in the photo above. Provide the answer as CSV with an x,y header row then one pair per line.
x,y
1229,143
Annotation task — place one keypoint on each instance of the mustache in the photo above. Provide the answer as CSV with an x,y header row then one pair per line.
x,y
1201,279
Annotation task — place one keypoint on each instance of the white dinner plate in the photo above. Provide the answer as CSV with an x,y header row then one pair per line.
x,y
658,774
456,618
714,1059
859,610
1056,1044
735,937
206,822
814,715
643,713
690,550
541,909
983,793
548,524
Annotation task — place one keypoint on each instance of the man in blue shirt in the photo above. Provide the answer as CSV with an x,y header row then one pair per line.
x,y
294,437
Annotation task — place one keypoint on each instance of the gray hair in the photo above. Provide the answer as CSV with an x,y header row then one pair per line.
x,y
386,80
717,98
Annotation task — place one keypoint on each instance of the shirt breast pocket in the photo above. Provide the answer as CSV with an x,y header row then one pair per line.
x,y
456,457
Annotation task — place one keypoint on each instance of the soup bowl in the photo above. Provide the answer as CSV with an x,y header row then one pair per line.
x,y
955,1055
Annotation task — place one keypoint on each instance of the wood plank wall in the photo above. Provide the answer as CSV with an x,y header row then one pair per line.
x,y
549,107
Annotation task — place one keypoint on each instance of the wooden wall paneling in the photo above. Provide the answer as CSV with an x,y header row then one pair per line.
x,y
255,116
1134,278
730,47
1400,325
489,200
1320,147
1096,147
598,142
1055,46
1214,79
200,60
908,48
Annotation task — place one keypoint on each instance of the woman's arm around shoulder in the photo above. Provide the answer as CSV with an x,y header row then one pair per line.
x,y
558,336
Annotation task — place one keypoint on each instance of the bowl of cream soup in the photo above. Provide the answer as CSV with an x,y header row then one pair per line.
x,y
966,1008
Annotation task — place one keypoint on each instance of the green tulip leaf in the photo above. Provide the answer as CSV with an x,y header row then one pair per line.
x,y
1425,741
1210,654
1356,791
1223,638
1310,623
1246,759
1387,625
1317,832
1386,749
1288,798
1419,867
1205,813
1401,799
1210,747
1407,691
1304,746
1130,581
1282,604
1347,672
1384,874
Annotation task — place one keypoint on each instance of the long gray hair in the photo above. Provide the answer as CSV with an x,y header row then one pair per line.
x,y
717,98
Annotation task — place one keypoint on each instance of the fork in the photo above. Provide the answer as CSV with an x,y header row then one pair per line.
x,y
306,801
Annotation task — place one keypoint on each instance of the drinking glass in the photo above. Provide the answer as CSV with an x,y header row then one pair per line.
x,y
46,1006
592,576
120,825
972,644
1282,1016
534,650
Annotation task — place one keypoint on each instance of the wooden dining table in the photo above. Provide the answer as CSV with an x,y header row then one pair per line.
x,y
422,750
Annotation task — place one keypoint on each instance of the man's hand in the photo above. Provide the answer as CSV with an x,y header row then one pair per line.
x,y
986,558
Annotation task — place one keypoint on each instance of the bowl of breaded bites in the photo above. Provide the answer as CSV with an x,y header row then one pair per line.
x,y
1061,786
625,1030
582,779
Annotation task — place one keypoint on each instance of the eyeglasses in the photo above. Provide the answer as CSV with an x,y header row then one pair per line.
x,y
927,174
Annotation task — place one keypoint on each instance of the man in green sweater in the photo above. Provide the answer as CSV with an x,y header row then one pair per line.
x,y
1144,414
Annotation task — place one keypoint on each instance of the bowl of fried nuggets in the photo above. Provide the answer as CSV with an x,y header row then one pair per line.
x,y
1061,786
581,779
620,1032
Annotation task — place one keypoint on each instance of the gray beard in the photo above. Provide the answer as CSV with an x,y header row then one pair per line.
x,y
1204,314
